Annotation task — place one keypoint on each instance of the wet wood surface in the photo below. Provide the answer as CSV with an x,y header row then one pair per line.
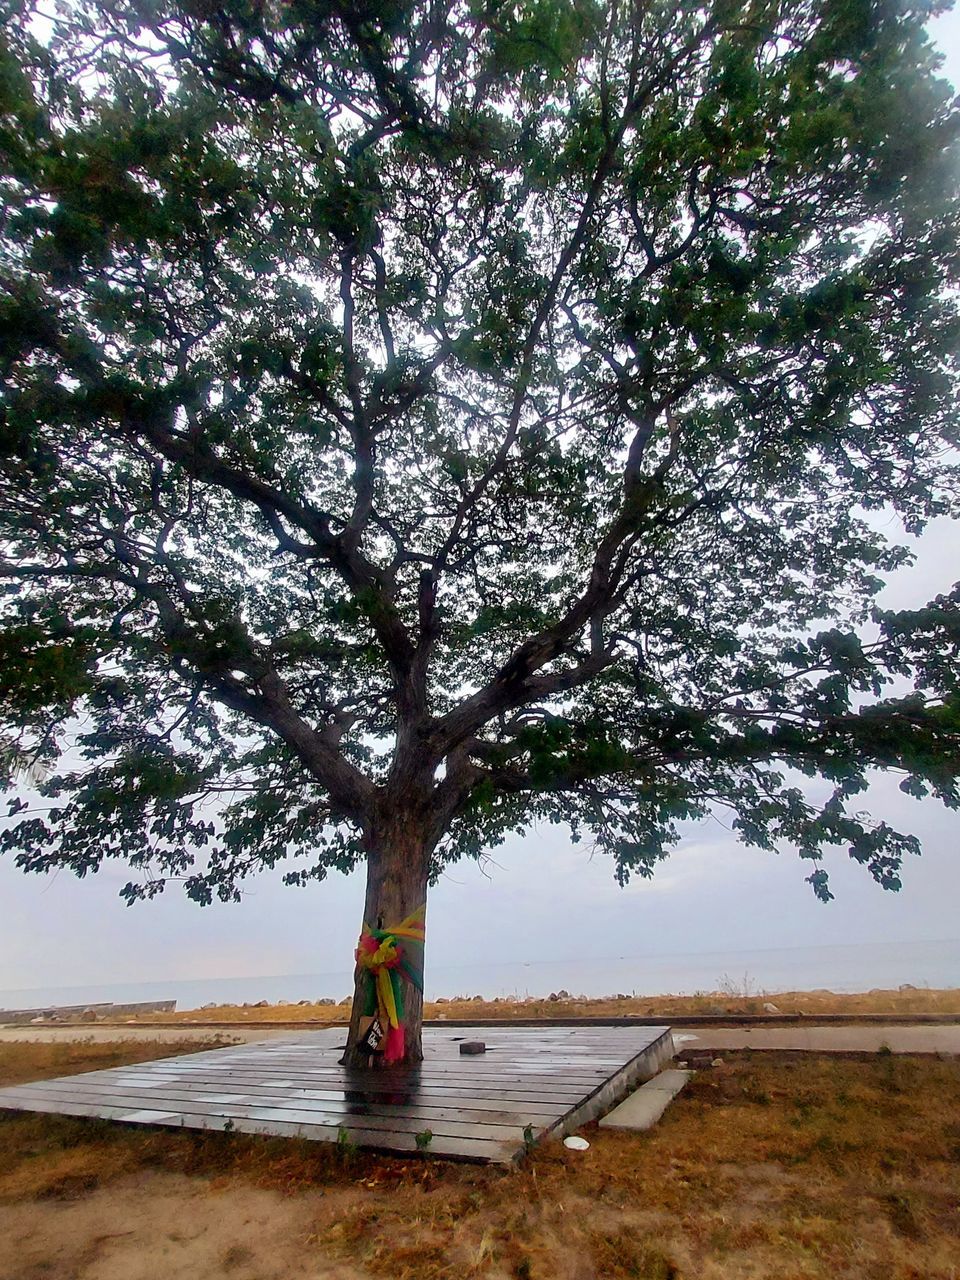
x,y
542,1080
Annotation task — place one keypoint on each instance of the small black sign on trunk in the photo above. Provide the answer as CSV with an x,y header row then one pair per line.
x,y
373,1039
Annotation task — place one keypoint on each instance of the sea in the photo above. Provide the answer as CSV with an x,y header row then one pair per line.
x,y
847,968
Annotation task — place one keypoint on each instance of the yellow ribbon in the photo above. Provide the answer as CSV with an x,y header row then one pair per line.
x,y
385,997
379,963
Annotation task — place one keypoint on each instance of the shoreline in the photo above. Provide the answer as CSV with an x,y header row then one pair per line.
x,y
906,1000
904,1004
848,969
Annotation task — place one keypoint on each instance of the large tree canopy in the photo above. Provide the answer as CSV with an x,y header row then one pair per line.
x,y
420,419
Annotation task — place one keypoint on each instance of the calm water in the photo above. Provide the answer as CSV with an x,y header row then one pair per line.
x,y
843,968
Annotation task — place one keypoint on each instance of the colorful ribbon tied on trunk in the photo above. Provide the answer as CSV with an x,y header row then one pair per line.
x,y
388,957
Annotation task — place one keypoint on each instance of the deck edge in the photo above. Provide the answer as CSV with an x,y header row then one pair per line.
x,y
641,1067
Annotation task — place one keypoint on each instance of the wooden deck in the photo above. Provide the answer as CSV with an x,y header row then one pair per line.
x,y
550,1078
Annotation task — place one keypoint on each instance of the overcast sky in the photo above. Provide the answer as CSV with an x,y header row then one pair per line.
x,y
543,897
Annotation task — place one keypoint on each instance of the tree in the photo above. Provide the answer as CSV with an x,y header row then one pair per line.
x,y
424,419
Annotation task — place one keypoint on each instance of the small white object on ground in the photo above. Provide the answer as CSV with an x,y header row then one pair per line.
x,y
682,1039
717,1062
576,1144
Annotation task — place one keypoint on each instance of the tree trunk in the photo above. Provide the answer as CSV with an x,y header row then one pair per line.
x,y
397,867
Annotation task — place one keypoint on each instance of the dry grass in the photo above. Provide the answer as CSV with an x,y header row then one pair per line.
x,y
21,1062
799,1167
810,1003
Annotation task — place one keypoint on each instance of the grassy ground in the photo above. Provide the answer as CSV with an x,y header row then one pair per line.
x,y
798,1167
20,1062
730,1002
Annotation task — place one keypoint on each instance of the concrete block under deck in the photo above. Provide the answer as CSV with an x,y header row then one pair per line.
x,y
644,1107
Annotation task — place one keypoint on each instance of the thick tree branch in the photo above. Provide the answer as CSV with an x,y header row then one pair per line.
x,y
267,703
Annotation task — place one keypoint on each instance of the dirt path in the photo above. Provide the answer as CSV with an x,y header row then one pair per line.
x,y
922,1039
170,1226
899,1039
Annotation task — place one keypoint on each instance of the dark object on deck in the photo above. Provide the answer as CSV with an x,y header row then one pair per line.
x,y
473,1046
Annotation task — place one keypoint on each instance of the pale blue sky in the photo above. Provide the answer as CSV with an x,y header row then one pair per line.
x,y
713,895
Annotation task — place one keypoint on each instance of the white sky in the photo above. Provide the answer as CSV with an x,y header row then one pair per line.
x,y
713,894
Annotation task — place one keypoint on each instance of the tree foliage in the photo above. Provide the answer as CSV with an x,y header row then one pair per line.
x,y
465,413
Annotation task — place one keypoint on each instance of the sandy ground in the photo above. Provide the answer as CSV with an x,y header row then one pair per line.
x,y
158,1226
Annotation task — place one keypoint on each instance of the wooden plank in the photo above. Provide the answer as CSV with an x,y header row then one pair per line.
x,y
467,1066
360,1082
505,1071
498,1067
382,1104
460,1065
439,1038
438,1056
439,1041
383,1080
440,1092
499,1082
520,1086
173,1100
478,1098
477,1149
549,1087
131,1103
